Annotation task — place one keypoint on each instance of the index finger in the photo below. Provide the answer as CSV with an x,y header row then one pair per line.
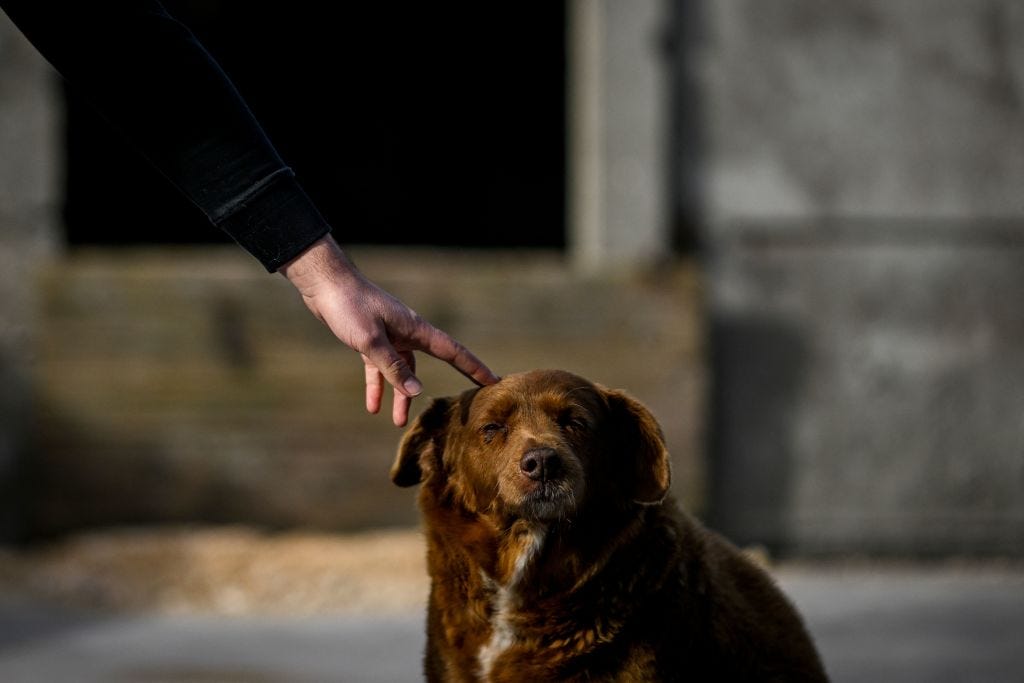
x,y
443,347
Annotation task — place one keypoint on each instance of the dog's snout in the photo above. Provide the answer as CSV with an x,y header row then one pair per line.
x,y
541,464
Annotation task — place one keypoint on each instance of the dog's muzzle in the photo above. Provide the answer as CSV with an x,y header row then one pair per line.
x,y
552,484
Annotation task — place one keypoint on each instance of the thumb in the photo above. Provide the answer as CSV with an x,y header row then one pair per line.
x,y
395,369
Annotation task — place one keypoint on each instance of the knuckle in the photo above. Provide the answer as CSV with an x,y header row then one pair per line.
x,y
369,340
395,367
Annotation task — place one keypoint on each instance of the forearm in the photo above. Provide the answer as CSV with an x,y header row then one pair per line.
x,y
148,75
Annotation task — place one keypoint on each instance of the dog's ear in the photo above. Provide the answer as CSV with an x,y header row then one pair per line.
x,y
637,435
416,453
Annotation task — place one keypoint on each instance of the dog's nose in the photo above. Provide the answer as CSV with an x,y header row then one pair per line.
x,y
540,464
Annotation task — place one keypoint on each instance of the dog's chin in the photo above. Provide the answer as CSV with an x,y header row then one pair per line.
x,y
548,502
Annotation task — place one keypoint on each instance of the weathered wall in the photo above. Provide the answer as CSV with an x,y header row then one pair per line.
x,y
876,109
28,199
864,166
617,94
870,395
858,168
190,386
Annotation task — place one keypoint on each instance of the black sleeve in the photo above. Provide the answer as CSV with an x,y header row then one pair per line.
x,y
150,77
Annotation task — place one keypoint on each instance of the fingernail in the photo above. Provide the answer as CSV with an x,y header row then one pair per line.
x,y
412,386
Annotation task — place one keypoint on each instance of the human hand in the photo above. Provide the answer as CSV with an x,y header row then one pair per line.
x,y
380,327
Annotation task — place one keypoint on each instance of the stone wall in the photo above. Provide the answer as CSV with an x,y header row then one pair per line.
x,y
189,386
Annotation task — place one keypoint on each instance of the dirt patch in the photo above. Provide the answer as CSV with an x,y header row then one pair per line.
x,y
225,571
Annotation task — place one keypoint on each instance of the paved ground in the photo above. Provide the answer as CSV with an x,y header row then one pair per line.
x,y
915,625
897,625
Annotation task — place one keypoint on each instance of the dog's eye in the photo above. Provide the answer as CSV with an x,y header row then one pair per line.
x,y
572,423
491,430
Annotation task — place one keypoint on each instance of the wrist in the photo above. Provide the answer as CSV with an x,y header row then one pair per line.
x,y
322,260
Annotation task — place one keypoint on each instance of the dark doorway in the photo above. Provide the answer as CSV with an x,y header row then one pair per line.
x,y
408,123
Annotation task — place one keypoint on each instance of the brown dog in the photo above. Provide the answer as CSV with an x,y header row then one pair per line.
x,y
556,553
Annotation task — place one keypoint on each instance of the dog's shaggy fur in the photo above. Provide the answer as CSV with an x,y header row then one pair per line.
x,y
556,553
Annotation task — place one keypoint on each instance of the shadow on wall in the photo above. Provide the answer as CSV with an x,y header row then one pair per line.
x,y
687,137
758,366
13,409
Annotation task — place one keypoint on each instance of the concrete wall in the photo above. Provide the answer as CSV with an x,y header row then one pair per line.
x,y
869,394
904,109
864,166
618,115
28,202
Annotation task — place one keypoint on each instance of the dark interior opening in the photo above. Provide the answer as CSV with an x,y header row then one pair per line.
x,y
417,123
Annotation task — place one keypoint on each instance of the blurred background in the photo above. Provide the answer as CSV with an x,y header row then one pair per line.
x,y
793,229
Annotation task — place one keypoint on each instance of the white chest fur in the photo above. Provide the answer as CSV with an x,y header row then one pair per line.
x,y
506,599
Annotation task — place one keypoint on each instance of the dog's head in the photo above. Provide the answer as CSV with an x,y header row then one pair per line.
x,y
538,446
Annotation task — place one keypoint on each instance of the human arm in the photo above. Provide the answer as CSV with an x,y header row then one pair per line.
x,y
149,76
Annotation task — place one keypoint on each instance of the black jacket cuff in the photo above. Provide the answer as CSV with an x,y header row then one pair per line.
x,y
276,223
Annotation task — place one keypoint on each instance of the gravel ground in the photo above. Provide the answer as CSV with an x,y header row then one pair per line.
x,y
225,571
